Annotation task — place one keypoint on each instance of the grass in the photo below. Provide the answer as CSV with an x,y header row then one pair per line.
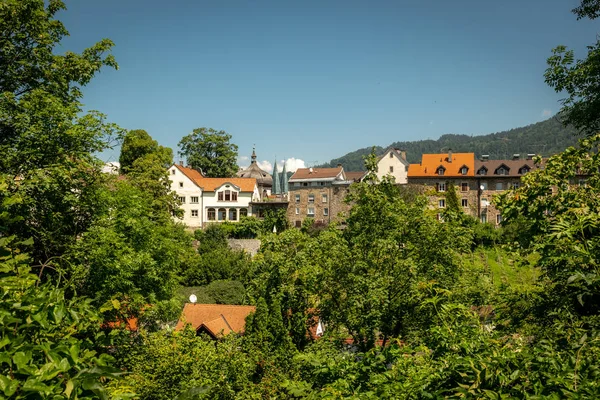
x,y
503,268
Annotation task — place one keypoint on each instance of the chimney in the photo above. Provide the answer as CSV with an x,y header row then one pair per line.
x,y
516,157
181,163
530,156
449,155
403,154
485,157
310,170
339,165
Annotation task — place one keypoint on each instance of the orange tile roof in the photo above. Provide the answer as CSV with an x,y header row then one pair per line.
x,y
217,319
431,162
316,173
211,184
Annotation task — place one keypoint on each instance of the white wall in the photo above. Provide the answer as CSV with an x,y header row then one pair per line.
x,y
399,166
210,200
188,190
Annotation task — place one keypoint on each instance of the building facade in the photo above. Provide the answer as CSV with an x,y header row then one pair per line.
x,y
475,181
393,163
211,200
317,193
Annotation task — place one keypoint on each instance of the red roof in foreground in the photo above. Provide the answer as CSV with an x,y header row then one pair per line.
x,y
216,319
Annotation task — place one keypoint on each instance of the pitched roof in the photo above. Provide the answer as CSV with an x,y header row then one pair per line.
x,y
216,319
317,173
431,162
513,166
354,175
211,184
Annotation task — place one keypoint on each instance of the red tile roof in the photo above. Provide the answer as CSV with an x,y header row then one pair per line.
x,y
431,162
354,175
316,173
216,319
211,184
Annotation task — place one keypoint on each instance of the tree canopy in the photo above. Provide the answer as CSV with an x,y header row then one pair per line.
x,y
210,151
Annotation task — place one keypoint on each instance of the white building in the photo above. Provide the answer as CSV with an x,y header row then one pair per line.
x,y
207,200
393,163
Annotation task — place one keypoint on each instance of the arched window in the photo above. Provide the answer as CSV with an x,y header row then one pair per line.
x,y
211,214
243,212
524,169
233,214
440,171
222,214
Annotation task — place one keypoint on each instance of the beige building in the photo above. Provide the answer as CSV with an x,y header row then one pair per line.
x,y
393,163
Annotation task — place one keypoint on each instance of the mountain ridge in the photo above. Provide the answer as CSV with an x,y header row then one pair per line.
x,y
544,138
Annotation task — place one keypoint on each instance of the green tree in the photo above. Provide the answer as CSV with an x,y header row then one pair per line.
x,y
453,211
211,152
579,79
138,144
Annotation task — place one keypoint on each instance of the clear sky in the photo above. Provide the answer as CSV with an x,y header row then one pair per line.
x,y
314,80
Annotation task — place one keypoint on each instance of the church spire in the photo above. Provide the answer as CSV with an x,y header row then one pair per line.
x,y
284,179
276,182
254,154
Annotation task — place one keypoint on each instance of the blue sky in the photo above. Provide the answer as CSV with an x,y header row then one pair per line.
x,y
314,80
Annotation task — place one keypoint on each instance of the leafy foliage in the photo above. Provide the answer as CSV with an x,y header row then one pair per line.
x,y
210,151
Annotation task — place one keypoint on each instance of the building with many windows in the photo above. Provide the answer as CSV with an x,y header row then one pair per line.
x,y
475,181
209,200
318,193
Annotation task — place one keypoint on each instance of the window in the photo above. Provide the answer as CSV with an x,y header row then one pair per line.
x,y
391,156
324,198
314,184
182,199
440,171
482,171
515,185
311,198
311,211
233,196
499,186
304,183
211,215
464,187
298,224
220,196
391,169
325,212
483,217
483,186
502,171
180,185
173,172
464,203
322,183
297,210
233,214
297,184
297,198
464,170
498,219
243,212
442,203
194,213
194,199
440,217
441,187
222,214
523,170
228,195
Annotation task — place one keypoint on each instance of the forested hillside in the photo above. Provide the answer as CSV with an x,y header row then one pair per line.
x,y
545,138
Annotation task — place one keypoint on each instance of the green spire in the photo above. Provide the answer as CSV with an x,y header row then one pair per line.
x,y
276,182
284,180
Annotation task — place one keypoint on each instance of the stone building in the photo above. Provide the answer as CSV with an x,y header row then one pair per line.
x,y
318,193
476,181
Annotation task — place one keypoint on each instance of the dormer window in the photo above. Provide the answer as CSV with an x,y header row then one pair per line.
x,y
464,170
482,171
524,169
440,171
502,170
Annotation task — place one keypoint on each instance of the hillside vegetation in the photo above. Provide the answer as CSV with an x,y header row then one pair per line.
x,y
545,138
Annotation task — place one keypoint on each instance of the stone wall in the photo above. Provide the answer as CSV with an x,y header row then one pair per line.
x,y
250,246
324,211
